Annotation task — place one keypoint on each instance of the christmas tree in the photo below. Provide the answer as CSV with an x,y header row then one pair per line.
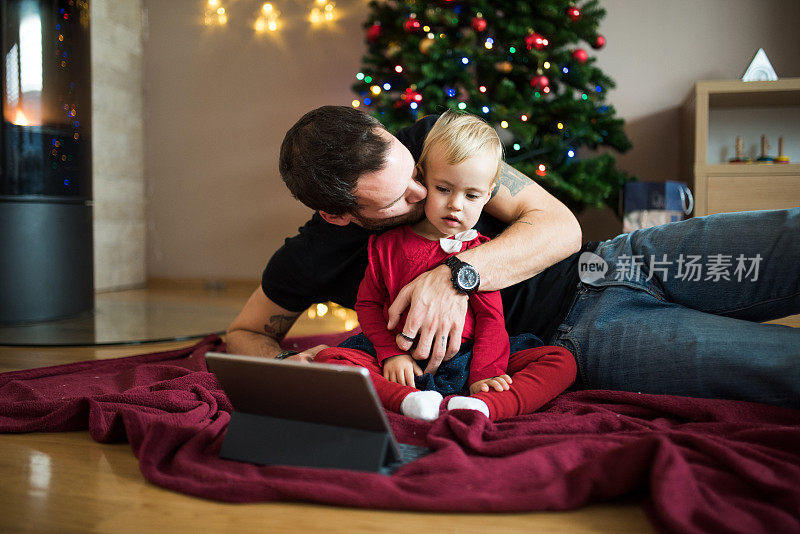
x,y
521,65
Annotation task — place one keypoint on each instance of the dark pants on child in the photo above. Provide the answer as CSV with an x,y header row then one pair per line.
x,y
538,375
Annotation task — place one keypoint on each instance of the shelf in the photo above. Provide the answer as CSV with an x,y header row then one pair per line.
x,y
739,94
754,169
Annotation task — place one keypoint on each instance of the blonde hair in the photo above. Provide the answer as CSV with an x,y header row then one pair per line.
x,y
461,136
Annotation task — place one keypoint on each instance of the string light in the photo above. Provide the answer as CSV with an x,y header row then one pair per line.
x,y
516,146
524,118
356,103
547,64
398,69
324,11
485,109
462,105
482,88
375,90
560,126
504,124
268,20
571,153
215,14
360,76
387,86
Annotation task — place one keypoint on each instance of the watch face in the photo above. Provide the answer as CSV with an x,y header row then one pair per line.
x,y
468,278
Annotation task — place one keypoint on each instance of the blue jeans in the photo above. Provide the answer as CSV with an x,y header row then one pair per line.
x,y
649,330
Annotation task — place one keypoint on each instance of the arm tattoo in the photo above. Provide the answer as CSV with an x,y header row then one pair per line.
x,y
512,179
279,325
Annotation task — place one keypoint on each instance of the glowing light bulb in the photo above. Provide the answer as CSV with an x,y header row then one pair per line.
x,y
524,118
485,109
356,103
322,309
504,124
516,146
413,105
360,76
426,29
488,45
387,86
398,69
482,88
571,153
560,126
465,60
547,64
375,90
462,105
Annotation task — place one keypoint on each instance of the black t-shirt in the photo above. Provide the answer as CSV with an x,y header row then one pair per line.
x,y
325,262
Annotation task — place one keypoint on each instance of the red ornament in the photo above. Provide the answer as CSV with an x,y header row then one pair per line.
x,y
478,24
373,33
573,13
539,82
580,55
535,40
412,25
599,42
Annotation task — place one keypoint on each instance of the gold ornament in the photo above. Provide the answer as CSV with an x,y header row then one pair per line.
x,y
393,49
504,66
425,45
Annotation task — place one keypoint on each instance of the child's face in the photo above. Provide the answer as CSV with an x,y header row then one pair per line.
x,y
457,193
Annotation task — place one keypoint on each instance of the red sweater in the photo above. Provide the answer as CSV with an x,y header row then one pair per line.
x,y
397,257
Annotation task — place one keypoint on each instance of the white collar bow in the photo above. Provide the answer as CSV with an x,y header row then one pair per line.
x,y
453,244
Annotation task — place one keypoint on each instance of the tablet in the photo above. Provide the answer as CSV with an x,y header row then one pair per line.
x,y
309,414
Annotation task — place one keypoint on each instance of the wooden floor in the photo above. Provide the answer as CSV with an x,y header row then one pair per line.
x,y
66,482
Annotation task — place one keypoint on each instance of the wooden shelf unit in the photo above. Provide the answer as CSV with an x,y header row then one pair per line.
x,y
736,187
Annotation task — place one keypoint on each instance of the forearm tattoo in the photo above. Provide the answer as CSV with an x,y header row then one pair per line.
x,y
512,179
278,325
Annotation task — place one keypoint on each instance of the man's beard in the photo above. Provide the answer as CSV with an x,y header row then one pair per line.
x,y
416,214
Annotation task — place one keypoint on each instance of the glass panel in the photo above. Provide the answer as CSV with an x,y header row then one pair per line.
x,y
46,98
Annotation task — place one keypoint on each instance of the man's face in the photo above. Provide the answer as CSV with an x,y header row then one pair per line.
x,y
391,196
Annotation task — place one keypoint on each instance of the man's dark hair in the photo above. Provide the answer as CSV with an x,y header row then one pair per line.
x,y
324,154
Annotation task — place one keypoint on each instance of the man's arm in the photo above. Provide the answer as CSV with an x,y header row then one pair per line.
x,y
541,232
260,327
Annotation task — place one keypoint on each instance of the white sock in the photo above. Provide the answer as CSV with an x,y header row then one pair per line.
x,y
422,405
468,403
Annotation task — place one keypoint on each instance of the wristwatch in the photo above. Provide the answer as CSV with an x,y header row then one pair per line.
x,y
463,275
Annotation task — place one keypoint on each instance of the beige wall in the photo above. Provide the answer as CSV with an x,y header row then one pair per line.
x,y
117,144
218,101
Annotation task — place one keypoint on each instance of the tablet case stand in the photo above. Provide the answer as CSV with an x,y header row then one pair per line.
x,y
266,440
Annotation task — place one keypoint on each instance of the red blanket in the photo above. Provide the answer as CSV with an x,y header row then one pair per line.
x,y
709,466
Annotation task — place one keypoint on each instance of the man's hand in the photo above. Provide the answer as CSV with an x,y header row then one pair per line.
x,y
401,369
307,356
498,383
436,313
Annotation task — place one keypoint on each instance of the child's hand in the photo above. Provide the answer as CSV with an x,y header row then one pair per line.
x,y
499,383
401,369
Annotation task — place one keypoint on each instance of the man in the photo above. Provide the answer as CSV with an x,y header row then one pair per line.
x,y
630,328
